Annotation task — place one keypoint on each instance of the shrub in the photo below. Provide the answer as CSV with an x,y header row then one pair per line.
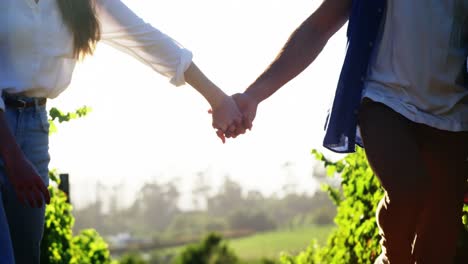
x,y
132,258
57,240
356,239
89,247
212,250
58,244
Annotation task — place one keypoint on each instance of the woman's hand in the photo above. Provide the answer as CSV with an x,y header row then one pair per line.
x,y
226,117
248,109
28,185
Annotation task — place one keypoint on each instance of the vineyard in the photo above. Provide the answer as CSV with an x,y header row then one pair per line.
x,y
354,240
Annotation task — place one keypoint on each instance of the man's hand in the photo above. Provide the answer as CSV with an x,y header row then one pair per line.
x,y
248,108
28,185
226,117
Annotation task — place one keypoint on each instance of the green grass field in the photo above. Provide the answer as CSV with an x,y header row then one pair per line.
x,y
252,249
269,245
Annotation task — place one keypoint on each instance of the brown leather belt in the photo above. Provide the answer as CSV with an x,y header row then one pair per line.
x,y
20,103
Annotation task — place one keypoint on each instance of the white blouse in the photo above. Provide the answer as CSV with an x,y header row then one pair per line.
x,y
36,47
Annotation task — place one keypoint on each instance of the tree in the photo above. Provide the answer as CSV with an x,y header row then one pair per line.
x,y
247,219
201,190
157,205
230,196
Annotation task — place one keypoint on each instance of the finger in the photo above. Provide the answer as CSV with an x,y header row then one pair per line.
x,y
240,131
20,196
37,197
29,197
210,111
232,128
248,123
43,190
238,122
240,127
234,135
222,127
220,134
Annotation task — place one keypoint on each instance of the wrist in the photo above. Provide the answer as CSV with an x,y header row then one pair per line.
x,y
9,149
250,93
216,98
11,154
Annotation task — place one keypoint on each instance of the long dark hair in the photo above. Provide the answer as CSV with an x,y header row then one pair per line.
x,y
80,17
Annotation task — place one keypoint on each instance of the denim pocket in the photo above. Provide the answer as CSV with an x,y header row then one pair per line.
x,y
43,119
37,147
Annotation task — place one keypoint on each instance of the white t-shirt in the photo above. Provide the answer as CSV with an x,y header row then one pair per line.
x,y
36,47
418,68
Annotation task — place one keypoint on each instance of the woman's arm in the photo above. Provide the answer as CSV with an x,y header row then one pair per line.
x,y
124,30
26,181
226,116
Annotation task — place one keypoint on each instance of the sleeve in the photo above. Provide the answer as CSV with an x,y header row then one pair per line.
x,y
124,30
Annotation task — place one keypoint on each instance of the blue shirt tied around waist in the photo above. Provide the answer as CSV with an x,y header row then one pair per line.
x,y
363,28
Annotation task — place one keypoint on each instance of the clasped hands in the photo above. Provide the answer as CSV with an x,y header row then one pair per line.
x,y
234,115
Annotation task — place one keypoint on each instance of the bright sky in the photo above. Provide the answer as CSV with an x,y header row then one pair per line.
x,y
144,129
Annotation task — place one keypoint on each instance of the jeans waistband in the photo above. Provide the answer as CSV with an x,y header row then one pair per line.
x,y
22,101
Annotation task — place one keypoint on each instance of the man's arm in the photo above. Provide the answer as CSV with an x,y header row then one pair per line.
x,y
303,46
21,173
301,49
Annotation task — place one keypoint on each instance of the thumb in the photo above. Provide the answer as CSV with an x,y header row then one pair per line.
x,y
248,123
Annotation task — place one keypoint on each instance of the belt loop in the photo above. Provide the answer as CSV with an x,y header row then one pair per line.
x,y
36,105
23,104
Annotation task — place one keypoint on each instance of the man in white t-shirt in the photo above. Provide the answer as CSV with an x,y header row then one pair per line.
x,y
403,86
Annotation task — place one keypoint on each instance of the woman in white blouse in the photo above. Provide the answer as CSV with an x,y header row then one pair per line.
x,y
40,42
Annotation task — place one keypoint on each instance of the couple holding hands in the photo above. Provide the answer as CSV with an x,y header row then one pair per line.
x,y
402,93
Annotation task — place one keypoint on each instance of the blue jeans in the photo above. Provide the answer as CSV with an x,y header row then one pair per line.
x,y
21,227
